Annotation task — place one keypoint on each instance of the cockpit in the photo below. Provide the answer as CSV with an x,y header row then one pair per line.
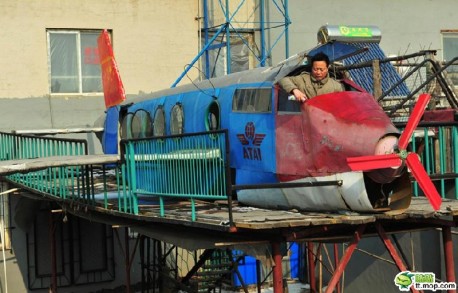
x,y
343,45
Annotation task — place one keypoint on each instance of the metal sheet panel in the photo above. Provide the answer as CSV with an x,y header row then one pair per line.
x,y
350,196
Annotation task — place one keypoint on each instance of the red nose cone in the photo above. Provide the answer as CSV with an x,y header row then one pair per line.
x,y
344,125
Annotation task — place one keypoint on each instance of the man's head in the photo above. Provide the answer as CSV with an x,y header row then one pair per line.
x,y
320,64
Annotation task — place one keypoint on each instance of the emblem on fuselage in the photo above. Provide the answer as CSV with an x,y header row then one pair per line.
x,y
251,142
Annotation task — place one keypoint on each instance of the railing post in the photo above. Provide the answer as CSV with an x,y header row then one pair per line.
x,y
133,207
278,271
228,178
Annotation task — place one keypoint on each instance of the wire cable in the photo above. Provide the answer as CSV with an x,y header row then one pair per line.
x,y
196,86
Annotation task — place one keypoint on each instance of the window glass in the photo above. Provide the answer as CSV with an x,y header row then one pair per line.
x,y
450,45
135,126
176,120
141,125
252,100
90,64
126,124
285,104
213,117
74,62
64,63
242,47
159,122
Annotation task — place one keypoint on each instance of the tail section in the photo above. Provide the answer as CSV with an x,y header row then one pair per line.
x,y
113,88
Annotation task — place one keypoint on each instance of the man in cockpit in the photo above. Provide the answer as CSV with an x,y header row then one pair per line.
x,y
306,86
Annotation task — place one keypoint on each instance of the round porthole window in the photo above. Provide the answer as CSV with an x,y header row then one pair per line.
x,y
126,130
142,125
212,121
159,122
176,120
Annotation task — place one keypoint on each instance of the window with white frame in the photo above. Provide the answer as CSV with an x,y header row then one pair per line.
x,y
74,61
450,51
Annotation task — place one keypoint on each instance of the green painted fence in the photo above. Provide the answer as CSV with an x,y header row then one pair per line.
x,y
188,166
63,182
437,145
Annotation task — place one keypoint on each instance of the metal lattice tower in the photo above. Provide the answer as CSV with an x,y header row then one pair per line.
x,y
222,20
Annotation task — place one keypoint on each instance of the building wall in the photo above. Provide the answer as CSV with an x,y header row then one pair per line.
x,y
152,40
407,26
18,256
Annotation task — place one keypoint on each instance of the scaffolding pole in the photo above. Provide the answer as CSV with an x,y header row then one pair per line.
x,y
228,29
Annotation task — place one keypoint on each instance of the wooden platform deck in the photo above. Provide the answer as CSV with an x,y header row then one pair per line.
x,y
253,225
262,219
213,226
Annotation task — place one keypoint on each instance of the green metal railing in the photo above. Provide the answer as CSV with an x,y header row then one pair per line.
x,y
437,145
191,166
64,182
17,147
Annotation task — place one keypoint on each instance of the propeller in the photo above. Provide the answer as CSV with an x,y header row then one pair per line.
x,y
400,155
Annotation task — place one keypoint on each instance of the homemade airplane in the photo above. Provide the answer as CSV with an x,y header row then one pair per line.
x,y
341,137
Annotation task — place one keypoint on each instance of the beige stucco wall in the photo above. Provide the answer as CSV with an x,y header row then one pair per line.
x,y
153,40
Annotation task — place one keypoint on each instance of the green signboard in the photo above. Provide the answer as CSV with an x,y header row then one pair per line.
x,y
355,31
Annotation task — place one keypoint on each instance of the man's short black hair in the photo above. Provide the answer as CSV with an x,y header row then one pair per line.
x,y
320,57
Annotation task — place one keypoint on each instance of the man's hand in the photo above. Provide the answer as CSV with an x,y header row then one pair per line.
x,y
300,96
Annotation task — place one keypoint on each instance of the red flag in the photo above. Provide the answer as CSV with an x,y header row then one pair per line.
x,y
113,88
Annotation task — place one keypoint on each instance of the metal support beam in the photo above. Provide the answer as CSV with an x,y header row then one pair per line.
x,y
263,35
403,255
52,240
311,263
390,247
277,269
203,258
392,250
448,254
127,261
377,78
336,263
345,259
128,257
258,276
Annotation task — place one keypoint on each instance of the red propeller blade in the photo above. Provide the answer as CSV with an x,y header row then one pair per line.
x,y
415,166
367,163
415,117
